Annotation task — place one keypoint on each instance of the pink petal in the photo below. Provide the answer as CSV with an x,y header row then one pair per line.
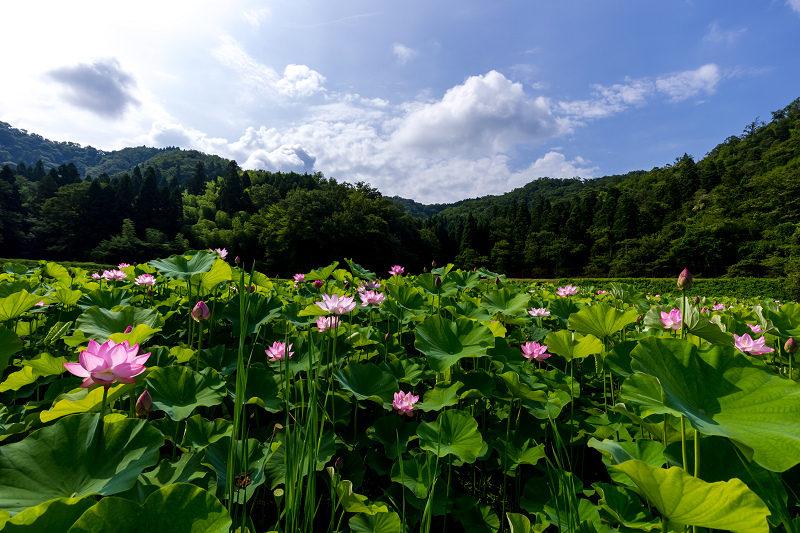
x,y
77,369
93,363
117,355
127,370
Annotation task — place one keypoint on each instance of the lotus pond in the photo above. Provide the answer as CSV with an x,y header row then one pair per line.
x,y
191,394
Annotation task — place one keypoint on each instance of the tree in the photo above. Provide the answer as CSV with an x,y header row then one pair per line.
x,y
197,185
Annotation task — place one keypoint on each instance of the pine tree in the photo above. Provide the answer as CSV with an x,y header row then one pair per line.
x,y
197,185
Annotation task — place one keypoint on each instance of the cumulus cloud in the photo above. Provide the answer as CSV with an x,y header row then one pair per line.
x,y
717,35
485,115
403,53
101,87
690,83
297,80
794,4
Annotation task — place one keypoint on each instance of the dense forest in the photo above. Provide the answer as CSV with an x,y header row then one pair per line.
x,y
733,212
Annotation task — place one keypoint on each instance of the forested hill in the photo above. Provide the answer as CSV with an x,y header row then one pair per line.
x,y
732,212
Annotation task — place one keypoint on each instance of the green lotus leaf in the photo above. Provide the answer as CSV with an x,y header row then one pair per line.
x,y
54,270
505,301
477,384
479,518
520,389
550,407
442,395
454,432
58,330
685,499
571,345
471,310
378,523
322,273
698,325
367,382
629,295
201,432
618,358
10,344
67,296
187,468
518,523
216,455
356,503
83,401
562,308
177,508
601,320
220,271
444,342
100,324
463,280
12,307
614,453
518,450
177,390
51,516
260,309
393,431
263,389
417,473
69,459
406,296
105,299
20,378
721,392
185,266
360,271
427,282
404,371
625,506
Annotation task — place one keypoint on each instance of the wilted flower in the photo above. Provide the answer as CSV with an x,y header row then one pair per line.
x,y
404,403
337,304
569,290
221,252
755,347
672,319
396,270
123,265
201,312
371,298
790,346
103,364
325,323
145,279
538,311
118,275
144,404
279,352
299,278
756,328
685,279
533,351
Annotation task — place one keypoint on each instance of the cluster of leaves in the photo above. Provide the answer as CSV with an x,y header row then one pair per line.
x,y
576,443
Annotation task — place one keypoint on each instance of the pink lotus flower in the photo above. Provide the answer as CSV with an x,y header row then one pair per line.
x,y
756,328
117,275
123,265
755,347
201,312
371,298
718,307
103,364
317,283
396,270
337,304
144,405
601,292
325,323
569,290
299,278
704,310
145,279
369,286
404,403
95,275
533,351
221,252
538,311
279,352
672,320
39,304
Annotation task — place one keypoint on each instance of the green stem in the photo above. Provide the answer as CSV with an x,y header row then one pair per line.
x,y
683,442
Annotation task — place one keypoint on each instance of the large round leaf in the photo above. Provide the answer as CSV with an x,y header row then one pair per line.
x,y
177,390
601,320
13,306
377,523
571,345
217,457
52,516
260,309
506,302
10,344
105,299
723,393
445,342
68,459
367,382
685,499
177,508
454,432
184,266
220,271
100,324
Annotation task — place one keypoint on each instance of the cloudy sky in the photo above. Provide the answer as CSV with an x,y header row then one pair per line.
x,y
432,100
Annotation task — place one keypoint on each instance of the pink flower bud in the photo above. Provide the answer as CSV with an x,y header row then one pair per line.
x,y
790,346
201,312
144,405
685,279
317,283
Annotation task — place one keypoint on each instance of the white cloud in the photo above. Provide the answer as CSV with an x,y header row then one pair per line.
x,y
794,4
403,53
255,17
716,35
690,83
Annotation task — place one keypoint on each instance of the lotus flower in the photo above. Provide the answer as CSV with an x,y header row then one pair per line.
x,y
371,298
404,403
337,304
103,364
221,252
756,328
569,290
201,312
718,307
123,265
396,270
538,311
39,304
672,320
369,286
601,292
317,283
299,278
95,275
533,351
325,323
114,275
144,405
755,347
145,279
279,352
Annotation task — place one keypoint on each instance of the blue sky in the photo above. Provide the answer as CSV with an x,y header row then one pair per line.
x,y
435,101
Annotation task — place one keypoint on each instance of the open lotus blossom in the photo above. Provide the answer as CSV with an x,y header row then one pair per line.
x,y
103,364
325,323
756,328
718,307
369,286
145,279
279,351
396,270
39,304
704,310
118,275
371,298
754,347
95,275
123,265
221,252
201,312
538,311
404,403
569,290
601,292
337,304
672,320
533,351
299,278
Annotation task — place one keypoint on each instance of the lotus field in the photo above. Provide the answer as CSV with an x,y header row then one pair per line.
x,y
190,394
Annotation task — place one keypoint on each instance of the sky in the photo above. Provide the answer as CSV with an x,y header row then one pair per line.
x,y
436,101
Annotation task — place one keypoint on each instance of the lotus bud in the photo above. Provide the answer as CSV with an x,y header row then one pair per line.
x,y
424,269
317,283
386,338
144,405
201,312
237,260
149,291
433,264
128,329
685,279
339,463
790,346
497,281
438,282
71,273
639,319
696,300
